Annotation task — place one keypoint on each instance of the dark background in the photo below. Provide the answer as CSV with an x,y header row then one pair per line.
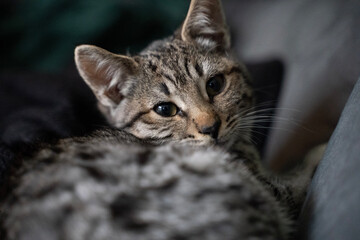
x,y
41,35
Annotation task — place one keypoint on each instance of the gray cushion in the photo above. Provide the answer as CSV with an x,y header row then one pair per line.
x,y
332,208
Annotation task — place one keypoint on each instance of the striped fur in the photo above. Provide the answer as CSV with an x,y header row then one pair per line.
x,y
176,71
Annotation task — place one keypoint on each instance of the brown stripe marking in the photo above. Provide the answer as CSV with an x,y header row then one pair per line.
x,y
164,89
134,119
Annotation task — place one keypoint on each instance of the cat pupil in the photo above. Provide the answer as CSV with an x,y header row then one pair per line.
x,y
215,85
166,109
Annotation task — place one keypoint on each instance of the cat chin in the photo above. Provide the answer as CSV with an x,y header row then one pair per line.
x,y
223,142
199,142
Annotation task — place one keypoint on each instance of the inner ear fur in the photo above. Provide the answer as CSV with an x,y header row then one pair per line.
x,y
104,72
205,25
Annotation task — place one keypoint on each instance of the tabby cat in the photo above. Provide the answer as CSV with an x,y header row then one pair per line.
x,y
180,162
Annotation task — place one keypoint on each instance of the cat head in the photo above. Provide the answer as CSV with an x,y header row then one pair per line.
x,y
183,88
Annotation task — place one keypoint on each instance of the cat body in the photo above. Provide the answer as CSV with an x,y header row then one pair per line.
x,y
122,190
180,163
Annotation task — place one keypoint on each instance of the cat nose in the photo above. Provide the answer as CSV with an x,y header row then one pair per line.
x,y
213,130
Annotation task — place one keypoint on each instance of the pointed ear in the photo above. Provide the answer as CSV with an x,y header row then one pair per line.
x,y
205,25
104,72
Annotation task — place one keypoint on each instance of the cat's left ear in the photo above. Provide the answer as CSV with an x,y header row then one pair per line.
x,y
205,25
107,74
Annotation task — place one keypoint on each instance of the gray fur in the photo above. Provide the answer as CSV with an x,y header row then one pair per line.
x,y
76,191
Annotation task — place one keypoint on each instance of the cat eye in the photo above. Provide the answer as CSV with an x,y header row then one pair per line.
x,y
166,109
215,85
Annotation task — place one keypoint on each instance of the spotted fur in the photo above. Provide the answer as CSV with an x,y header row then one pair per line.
x,y
112,185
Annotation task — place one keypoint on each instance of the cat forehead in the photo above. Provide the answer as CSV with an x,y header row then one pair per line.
x,y
181,60
178,68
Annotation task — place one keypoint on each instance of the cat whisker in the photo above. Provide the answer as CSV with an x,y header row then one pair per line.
x,y
275,109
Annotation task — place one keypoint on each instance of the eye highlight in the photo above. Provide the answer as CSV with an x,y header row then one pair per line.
x,y
215,85
166,109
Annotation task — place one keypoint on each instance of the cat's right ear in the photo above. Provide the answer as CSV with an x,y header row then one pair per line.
x,y
105,73
205,25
